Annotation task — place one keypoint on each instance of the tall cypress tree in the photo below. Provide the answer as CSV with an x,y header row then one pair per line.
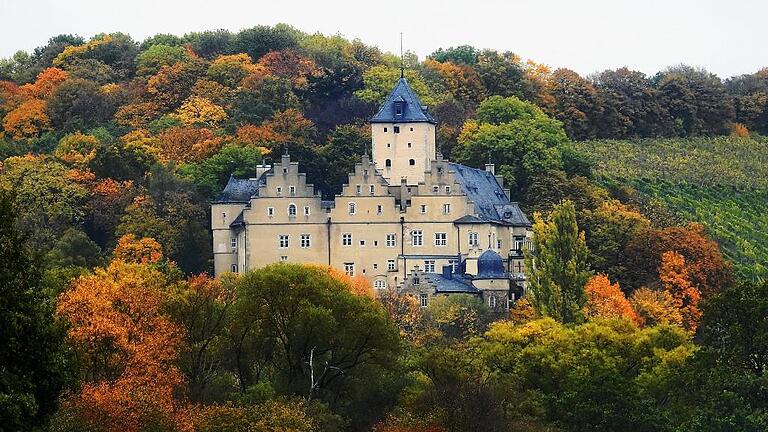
x,y
32,361
557,267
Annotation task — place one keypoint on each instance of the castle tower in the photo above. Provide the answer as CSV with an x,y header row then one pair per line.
x,y
403,136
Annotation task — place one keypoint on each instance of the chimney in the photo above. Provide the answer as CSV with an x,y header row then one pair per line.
x,y
448,271
491,168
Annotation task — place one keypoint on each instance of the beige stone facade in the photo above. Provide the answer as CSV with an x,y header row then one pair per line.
x,y
416,211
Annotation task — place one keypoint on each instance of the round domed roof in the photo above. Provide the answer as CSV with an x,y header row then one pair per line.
x,y
490,266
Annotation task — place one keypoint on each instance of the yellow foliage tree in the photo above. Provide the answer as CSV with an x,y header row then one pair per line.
x,y
197,111
655,307
77,148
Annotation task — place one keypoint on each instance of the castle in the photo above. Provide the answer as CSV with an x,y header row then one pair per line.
x,y
406,218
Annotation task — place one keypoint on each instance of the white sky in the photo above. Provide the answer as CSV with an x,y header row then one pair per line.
x,y
726,37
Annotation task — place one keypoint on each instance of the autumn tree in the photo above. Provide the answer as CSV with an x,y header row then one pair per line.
x,y
197,111
149,61
606,300
128,347
406,313
172,85
459,316
577,105
78,104
187,144
656,307
631,105
557,267
674,277
77,149
28,120
133,250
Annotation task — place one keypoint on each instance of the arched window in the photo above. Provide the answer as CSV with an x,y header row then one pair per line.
x,y
388,163
411,162
291,209
492,301
234,268
352,208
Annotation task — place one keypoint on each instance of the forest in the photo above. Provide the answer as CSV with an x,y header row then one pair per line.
x,y
645,310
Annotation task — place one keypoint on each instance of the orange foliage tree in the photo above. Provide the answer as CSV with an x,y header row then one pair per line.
x,y
406,313
358,285
137,115
137,251
28,120
47,81
127,346
183,144
673,274
287,64
606,300
292,125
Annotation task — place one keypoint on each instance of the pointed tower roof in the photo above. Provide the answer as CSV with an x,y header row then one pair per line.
x,y
410,108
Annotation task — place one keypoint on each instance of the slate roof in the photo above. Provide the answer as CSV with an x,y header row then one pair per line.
x,y
490,266
238,222
456,284
491,203
413,110
240,190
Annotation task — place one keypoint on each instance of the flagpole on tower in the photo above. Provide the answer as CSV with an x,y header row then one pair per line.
x,y
402,58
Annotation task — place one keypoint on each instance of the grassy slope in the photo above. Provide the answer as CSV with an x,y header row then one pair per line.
x,y
720,182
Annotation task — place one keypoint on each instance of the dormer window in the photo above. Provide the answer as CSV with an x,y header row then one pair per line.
x,y
399,108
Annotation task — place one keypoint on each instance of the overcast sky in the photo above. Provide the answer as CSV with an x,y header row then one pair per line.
x,y
726,37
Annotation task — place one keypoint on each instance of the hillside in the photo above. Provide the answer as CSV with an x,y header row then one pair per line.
x,y
719,182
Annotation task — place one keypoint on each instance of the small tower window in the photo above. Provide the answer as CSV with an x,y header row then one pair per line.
x,y
411,162
396,129
352,208
385,129
411,129
410,145
388,163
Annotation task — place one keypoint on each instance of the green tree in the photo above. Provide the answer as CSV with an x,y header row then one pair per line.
x,y
78,104
150,61
33,364
557,268
502,74
459,316
514,134
210,175
259,40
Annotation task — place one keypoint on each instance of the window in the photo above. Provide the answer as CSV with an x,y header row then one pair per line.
x,y
291,209
391,240
233,269
389,145
388,162
233,242
519,243
411,162
411,129
223,217
270,211
398,108
375,266
372,189
446,208
283,258
391,265
352,208
379,209
441,239
279,191
305,242
292,190
429,266
283,238
410,145
423,300
435,189
362,243
492,301
346,239
417,238
380,284
396,129
306,210
375,244
385,129
358,189
423,208
454,265
349,269
447,190
473,239
498,244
